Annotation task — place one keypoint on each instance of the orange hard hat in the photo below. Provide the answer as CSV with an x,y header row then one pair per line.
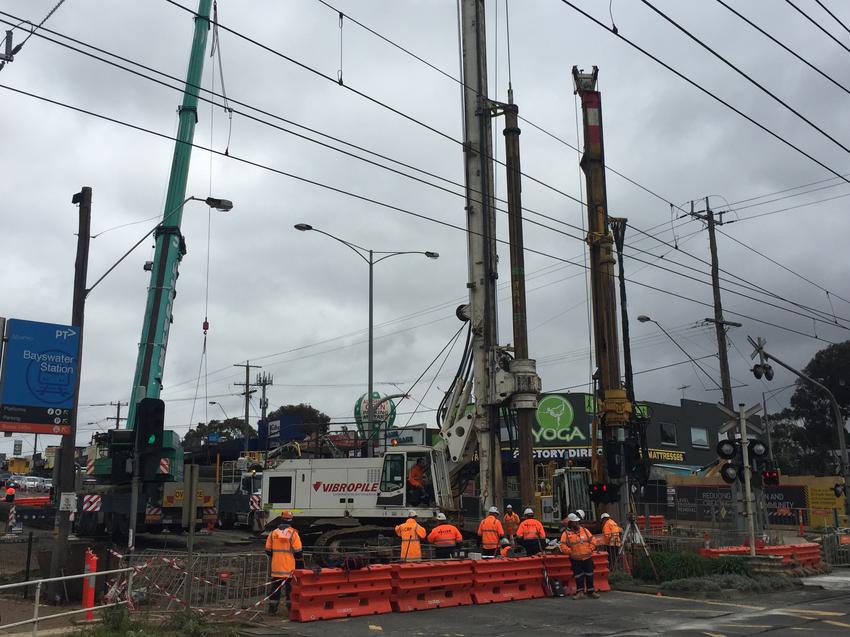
x,y
286,515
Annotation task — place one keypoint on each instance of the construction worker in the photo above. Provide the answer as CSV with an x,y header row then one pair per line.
x,y
505,548
283,546
511,522
445,537
490,530
530,534
416,483
613,541
10,493
580,514
577,542
411,534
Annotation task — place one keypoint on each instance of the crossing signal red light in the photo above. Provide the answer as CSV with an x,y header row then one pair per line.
x,y
604,492
770,477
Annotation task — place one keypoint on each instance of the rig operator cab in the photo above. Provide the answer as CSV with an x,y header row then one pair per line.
x,y
240,493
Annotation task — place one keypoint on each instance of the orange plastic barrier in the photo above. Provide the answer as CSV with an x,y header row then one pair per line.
x,y
725,550
600,572
807,554
34,501
504,580
657,524
332,593
424,585
560,568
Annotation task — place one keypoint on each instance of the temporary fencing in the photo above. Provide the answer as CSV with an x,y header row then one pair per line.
x,y
805,554
334,593
423,585
836,547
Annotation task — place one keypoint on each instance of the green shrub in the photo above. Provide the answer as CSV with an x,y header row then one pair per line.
x,y
675,566
731,584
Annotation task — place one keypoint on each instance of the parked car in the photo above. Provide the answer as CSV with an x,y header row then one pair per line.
x,y
34,483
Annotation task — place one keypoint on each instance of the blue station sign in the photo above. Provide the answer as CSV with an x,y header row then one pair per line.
x,y
39,376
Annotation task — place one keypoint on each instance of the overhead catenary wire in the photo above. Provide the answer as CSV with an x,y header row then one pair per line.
x,y
817,24
369,161
376,202
704,90
832,15
746,76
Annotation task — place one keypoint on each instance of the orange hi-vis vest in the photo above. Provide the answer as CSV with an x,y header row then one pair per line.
x,y
410,533
283,543
511,523
414,478
579,544
611,530
490,530
445,535
530,529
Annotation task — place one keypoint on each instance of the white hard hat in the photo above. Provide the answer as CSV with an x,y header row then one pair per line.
x,y
580,513
441,516
493,510
411,513
505,541
528,511
572,517
603,516
508,506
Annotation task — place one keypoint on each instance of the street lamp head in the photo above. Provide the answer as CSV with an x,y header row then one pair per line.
x,y
643,318
432,255
224,205
303,227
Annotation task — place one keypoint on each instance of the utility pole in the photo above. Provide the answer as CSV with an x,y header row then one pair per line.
x,y
117,417
748,490
525,400
616,409
481,246
67,474
247,393
264,380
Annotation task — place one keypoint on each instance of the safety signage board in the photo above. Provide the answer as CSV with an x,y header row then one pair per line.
x,y
68,502
38,377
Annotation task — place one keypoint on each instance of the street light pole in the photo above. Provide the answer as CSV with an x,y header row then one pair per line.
x,y
213,402
370,261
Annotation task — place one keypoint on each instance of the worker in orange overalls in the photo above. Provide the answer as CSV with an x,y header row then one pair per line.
x,y
530,534
611,532
411,534
505,548
578,543
490,530
445,538
511,522
283,546
416,484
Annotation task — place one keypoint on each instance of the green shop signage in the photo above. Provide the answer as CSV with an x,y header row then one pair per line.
x,y
384,412
556,422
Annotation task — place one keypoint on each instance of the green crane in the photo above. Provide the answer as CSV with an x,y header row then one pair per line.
x,y
170,245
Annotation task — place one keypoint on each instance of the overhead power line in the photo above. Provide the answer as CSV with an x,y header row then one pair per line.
x,y
746,76
702,89
818,25
834,17
788,49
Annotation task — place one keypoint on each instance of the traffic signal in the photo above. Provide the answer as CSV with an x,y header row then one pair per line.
x,y
770,477
730,472
727,449
604,492
763,369
150,422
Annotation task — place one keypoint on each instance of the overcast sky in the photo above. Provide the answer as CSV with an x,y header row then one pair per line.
x,y
296,303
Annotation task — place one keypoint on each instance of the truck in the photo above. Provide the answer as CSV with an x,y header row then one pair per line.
x,y
240,493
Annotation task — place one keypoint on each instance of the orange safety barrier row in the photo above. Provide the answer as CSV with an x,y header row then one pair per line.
x,y
560,567
34,501
424,585
504,580
657,524
332,593
807,554
600,572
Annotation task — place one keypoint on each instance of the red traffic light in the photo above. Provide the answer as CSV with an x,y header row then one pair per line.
x,y
770,477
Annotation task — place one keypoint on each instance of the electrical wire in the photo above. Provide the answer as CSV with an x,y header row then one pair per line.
x,y
746,76
818,25
834,17
35,28
703,90
361,158
376,202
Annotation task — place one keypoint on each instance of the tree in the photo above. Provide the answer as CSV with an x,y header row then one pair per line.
x,y
230,429
830,367
791,446
312,420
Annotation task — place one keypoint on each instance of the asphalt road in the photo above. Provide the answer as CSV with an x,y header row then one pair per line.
x,y
797,613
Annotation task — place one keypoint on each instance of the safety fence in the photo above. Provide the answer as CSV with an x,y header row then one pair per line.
x,y
18,556
836,547
40,586
374,590
212,581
